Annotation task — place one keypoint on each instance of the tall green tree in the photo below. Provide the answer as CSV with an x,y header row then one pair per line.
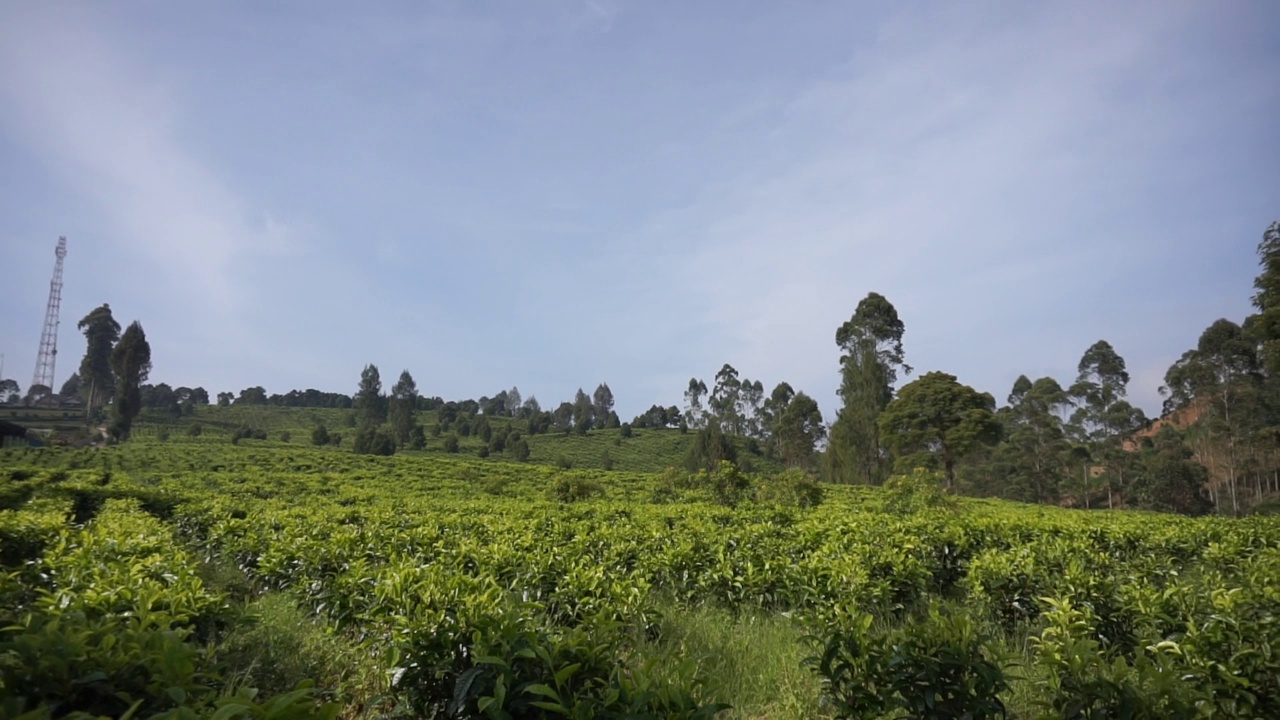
x,y
562,417
750,407
935,421
602,403
1033,458
531,408
101,332
404,408
9,389
695,414
774,406
71,387
130,364
710,446
583,412
800,429
723,403
870,361
1223,372
1103,417
1264,326
370,403
1168,479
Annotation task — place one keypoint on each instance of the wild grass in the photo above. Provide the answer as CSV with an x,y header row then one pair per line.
x,y
753,660
275,645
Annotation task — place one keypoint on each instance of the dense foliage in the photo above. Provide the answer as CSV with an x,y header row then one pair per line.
x,y
501,589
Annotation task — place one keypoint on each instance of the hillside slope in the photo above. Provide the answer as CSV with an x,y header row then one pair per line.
x,y
645,451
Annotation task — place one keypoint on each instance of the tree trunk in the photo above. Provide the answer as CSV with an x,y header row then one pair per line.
x,y
1086,486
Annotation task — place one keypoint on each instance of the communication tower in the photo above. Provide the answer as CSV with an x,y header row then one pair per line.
x,y
48,354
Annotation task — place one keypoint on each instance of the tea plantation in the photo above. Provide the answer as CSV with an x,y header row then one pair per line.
x,y
191,578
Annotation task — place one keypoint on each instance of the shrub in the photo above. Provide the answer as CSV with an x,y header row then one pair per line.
x,y
668,487
709,449
791,488
320,435
373,441
1083,682
497,442
246,432
417,438
286,436
574,489
451,443
726,485
919,491
195,430
938,667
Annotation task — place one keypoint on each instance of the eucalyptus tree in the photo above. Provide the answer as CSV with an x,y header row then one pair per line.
x,y
871,359
370,403
1103,416
694,413
1224,373
130,364
723,403
602,403
101,332
1034,454
403,408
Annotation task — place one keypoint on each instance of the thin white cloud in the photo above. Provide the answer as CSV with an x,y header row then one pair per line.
x,y
938,167
112,132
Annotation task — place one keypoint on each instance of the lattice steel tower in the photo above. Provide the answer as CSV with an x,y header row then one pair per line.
x,y
49,336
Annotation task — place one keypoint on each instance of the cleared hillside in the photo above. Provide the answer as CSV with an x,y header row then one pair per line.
x,y
646,450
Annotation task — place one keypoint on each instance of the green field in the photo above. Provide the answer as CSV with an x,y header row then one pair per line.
x,y
166,579
645,451
45,418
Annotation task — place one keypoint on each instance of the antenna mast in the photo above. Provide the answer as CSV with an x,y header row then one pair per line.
x,y
49,336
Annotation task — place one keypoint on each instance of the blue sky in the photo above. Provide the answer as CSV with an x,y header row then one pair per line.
x,y
555,194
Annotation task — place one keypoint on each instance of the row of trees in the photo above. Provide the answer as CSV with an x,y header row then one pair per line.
x,y
1078,443
1029,449
311,398
789,423
1083,443
111,376
1226,391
